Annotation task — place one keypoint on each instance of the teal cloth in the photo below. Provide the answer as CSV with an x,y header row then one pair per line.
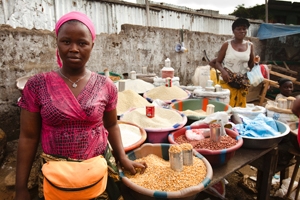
x,y
260,126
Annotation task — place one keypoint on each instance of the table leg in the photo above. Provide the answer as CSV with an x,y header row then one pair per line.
x,y
293,177
264,176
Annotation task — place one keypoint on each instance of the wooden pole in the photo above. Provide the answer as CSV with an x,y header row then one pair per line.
x,y
266,11
147,12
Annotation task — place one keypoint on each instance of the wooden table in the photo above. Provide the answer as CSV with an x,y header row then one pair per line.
x,y
244,156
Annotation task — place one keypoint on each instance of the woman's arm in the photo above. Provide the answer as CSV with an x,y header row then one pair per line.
x,y
251,59
219,60
115,140
296,106
30,128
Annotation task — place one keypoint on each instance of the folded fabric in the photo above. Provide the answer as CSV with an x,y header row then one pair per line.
x,y
260,126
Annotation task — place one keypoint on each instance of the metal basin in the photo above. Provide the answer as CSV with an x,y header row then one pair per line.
x,y
266,142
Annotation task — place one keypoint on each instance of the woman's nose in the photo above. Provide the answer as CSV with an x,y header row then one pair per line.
x,y
73,47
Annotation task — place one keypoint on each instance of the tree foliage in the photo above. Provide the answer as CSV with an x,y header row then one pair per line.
x,y
255,12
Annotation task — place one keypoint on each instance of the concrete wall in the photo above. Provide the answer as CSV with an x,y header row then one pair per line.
x,y
27,52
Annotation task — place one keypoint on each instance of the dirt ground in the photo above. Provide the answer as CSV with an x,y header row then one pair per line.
x,y
235,190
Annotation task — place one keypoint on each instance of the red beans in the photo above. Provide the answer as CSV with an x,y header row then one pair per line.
x,y
225,143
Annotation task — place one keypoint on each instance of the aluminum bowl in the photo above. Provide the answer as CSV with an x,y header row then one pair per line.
x,y
266,142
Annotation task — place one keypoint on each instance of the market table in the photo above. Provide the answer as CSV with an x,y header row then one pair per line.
x,y
244,156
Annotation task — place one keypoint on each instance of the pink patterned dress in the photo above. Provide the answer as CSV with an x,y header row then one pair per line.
x,y
71,127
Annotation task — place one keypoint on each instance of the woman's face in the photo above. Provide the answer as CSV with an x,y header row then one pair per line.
x,y
287,88
74,43
240,32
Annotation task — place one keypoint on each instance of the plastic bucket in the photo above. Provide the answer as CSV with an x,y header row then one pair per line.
x,y
215,157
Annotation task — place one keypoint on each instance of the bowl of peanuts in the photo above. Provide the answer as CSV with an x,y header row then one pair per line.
x,y
217,153
159,180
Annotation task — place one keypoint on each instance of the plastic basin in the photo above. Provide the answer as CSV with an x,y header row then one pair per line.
x,y
113,76
21,82
158,135
133,131
196,104
161,150
215,157
188,93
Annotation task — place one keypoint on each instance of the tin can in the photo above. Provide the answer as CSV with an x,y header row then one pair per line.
x,y
210,109
176,161
215,132
168,82
150,111
121,85
187,157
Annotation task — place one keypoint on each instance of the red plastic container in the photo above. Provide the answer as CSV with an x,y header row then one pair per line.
x,y
167,72
215,157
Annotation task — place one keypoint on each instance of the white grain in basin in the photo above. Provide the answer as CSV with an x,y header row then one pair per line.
x,y
130,99
163,118
167,93
136,85
194,112
130,134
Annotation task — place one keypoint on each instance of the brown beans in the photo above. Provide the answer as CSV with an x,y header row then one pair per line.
x,y
225,142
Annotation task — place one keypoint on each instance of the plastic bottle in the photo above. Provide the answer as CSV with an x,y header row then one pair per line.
x,y
167,70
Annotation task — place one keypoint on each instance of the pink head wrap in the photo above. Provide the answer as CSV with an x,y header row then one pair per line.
x,y
74,15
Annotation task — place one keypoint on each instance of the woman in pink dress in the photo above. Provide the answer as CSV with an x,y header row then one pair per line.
x,y
71,110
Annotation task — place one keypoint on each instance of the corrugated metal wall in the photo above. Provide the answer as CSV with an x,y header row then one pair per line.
x,y
109,15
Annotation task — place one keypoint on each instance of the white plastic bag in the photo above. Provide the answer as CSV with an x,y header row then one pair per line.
x,y
201,76
255,76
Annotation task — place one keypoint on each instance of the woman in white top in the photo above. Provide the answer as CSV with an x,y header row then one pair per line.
x,y
235,58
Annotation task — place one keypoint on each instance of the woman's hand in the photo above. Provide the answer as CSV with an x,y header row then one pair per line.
x,y
132,166
22,195
225,76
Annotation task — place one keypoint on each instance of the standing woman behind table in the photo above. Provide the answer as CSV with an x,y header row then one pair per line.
x,y
237,55
72,110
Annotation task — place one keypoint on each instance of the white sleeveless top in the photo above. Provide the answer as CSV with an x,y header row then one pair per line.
x,y
237,61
